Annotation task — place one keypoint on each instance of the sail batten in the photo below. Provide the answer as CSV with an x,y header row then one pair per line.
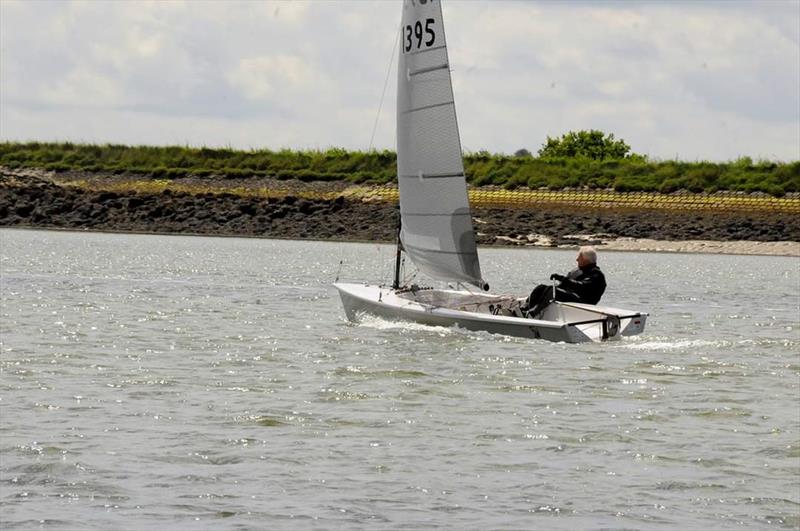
x,y
443,215
412,73
437,232
437,251
416,109
433,176
425,50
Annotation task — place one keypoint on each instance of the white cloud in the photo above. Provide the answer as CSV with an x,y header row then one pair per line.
x,y
93,88
259,77
701,80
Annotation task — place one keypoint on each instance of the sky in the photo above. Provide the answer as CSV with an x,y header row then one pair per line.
x,y
713,80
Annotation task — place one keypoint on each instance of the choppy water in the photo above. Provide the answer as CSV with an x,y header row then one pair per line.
x,y
152,382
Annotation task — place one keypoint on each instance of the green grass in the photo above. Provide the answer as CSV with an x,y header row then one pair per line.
x,y
378,167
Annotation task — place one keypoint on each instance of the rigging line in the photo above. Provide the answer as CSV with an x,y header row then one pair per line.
x,y
382,262
341,262
383,93
387,271
375,128
339,271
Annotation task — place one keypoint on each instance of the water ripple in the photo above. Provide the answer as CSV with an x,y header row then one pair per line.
x,y
194,383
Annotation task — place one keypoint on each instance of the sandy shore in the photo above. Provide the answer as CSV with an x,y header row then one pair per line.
x,y
704,246
30,200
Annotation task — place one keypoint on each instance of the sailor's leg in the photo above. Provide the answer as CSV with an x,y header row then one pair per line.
x,y
566,296
538,294
541,296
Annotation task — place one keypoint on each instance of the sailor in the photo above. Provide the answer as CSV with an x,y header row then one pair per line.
x,y
585,284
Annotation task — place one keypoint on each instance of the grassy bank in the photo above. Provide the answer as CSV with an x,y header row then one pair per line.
x,y
378,167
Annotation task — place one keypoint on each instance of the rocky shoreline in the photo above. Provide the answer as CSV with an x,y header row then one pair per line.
x,y
31,200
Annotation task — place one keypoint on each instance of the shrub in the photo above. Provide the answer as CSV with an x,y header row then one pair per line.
x,y
592,144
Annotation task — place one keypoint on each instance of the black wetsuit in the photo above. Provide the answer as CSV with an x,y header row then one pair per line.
x,y
585,285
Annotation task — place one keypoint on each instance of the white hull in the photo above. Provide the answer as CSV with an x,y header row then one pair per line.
x,y
561,321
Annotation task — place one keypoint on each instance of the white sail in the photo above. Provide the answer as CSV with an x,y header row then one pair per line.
x,y
436,223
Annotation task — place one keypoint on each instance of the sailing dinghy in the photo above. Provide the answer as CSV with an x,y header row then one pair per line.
x,y
436,224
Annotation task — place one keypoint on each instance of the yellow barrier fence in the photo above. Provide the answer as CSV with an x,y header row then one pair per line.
x,y
728,202
494,197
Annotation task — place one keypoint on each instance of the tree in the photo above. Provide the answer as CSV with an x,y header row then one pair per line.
x,y
591,144
522,152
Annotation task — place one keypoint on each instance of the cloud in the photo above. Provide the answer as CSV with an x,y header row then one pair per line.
x,y
638,70
260,77
698,80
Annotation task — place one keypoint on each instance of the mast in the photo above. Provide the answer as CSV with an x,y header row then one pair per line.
x,y
396,283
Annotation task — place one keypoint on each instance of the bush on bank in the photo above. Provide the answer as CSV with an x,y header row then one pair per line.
x,y
378,167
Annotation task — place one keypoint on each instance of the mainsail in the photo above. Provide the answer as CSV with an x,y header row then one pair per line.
x,y
437,231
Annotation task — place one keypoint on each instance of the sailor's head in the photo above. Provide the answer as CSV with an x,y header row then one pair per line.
x,y
586,256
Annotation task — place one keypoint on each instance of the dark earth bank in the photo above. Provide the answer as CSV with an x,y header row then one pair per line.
x,y
43,204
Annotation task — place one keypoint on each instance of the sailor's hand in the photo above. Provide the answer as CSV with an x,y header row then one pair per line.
x,y
556,276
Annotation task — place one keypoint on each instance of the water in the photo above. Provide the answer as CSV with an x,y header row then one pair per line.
x,y
151,382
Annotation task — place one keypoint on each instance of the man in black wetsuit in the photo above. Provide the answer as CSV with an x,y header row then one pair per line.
x,y
585,284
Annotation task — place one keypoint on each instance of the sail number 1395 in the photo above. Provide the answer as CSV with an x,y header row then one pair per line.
x,y
417,35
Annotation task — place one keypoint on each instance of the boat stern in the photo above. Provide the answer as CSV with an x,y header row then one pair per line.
x,y
599,323
633,325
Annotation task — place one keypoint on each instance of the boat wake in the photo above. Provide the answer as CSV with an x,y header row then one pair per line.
x,y
378,323
666,344
672,344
